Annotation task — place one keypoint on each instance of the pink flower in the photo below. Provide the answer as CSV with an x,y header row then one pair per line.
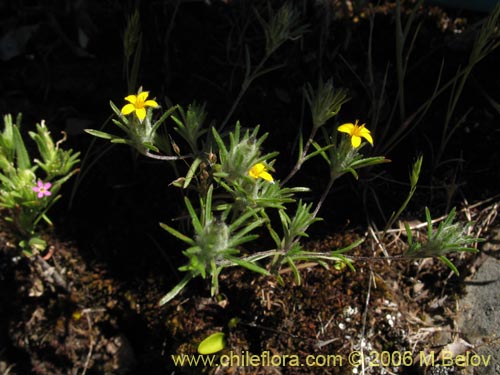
x,y
42,189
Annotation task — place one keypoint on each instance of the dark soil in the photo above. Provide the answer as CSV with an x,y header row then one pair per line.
x,y
117,263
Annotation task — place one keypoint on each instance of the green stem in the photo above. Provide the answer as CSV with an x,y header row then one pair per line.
x,y
244,87
302,157
399,60
324,195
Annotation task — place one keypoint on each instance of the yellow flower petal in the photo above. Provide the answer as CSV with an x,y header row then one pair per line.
x,y
266,176
141,98
355,141
256,170
259,170
138,103
151,103
346,128
131,99
141,113
365,133
128,109
356,132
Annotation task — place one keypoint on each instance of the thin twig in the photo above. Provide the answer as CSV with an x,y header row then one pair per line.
x,y
365,315
52,272
377,240
244,87
441,218
91,342
167,158
323,196
87,313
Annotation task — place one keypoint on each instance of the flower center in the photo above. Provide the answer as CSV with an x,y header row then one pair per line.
x,y
139,103
356,131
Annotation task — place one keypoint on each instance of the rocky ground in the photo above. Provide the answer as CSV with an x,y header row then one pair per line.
x,y
99,325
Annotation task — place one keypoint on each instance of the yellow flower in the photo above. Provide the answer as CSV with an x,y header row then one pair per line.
x,y
356,132
260,170
138,103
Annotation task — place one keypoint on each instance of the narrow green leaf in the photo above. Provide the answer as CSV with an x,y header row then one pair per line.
x,y
429,222
6,181
408,233
163,118
352,171
47,208
301,147
208,206
7,137
120,125
23,160
249,265
294,269
191,172
120,141
241,219
47,220
319,151
323,264
274,235
220,143
244,239
449,264
178,234
348,248
175,290
151,147
194,217
99,134
369,161
248,228
116,110
285,219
